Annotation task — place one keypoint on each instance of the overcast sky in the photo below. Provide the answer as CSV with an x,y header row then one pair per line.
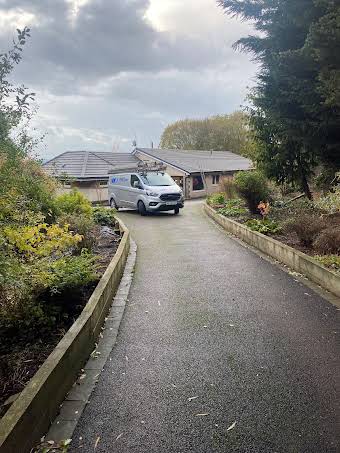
x,y
109,71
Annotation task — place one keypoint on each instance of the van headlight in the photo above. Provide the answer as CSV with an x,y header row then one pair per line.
x,y
152,194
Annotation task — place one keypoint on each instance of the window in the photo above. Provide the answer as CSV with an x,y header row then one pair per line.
x,y
157,179
134,178
103,184
197,183
215,179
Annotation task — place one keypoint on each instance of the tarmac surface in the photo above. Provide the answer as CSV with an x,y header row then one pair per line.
x,y
218,351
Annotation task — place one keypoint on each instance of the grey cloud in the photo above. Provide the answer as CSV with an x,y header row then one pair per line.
x,y
108,37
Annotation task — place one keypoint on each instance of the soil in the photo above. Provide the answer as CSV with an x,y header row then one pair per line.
x,y
19,361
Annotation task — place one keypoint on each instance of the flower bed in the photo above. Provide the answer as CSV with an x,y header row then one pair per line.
x,y
64,262
301,224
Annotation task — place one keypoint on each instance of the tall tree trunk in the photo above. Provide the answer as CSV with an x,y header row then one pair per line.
x,y
305,186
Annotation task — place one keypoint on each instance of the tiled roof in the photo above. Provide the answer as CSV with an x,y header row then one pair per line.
x,y
193,161
84,165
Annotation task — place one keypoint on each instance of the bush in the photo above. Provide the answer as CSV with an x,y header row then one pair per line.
x,y
228,187
331,261
82,225
29,297
41,240
253,187
264,226
73,203
72,272
104,216
217,199
307,227
233,208
328,241
330,202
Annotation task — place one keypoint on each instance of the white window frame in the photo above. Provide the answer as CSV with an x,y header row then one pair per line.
x,y
215,180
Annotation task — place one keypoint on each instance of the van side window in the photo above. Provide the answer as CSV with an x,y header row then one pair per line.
x,y
134,178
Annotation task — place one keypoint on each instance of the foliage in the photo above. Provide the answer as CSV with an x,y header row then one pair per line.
x,y
14,101
40,240
82,225
328,241
104,216
306,226
330,202
72,272
26,192
218,133
233,208
264,226
228,187
29,289
216,199
253,187
331,261
73,203
295,110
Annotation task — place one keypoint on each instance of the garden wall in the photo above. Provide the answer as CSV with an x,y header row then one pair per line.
x,y
296,260
30,416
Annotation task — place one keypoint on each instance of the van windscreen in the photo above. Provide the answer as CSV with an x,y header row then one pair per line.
x,y
157,179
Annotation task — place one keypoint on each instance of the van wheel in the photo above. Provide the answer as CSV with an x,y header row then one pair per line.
x,y
113,204
141,208
176,210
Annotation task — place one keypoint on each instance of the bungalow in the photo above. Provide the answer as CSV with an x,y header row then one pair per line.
x,y
197,172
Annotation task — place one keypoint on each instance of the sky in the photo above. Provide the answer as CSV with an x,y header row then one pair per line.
x,y
107,72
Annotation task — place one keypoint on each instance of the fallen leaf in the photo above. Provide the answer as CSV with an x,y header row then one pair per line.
x,y
97,442
232,426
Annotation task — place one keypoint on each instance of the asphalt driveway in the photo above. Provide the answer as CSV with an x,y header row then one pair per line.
x,y
218,351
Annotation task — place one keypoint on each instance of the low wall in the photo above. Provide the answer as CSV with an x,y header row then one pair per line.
x,y
30,416
296,260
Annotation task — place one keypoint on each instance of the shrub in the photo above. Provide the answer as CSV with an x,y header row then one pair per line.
x,y
307,227
216,199
328,241
29,297
72,272
330,202
253,187
264,226
228,187
39,240
73,203
82,225
104,216
233,208
331,261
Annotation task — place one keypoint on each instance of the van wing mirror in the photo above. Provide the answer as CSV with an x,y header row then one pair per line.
x,y
137,185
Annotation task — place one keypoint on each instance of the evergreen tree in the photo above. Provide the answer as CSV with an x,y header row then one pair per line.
x,y
293,122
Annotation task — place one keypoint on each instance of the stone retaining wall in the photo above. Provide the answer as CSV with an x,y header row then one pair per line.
x,y
296,260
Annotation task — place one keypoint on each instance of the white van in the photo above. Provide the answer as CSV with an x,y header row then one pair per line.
x,y
145,189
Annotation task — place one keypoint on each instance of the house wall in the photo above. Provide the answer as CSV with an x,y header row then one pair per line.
x,y
93,190
210,187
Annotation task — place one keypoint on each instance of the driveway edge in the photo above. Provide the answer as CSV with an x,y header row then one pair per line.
x,y
295,259
30,416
